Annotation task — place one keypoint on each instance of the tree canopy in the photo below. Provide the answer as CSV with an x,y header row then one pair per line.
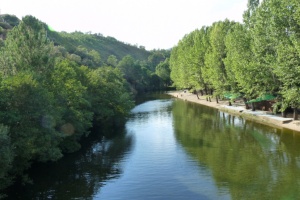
x,y
254,58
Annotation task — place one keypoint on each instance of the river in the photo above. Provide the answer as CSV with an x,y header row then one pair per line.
x,y
172,149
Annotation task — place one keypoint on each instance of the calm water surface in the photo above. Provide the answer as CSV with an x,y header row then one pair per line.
x,y
171,149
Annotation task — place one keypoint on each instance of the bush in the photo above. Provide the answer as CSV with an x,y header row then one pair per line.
x,y
5,25
6,155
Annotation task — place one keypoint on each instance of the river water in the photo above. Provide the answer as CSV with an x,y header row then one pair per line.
x,y
172,149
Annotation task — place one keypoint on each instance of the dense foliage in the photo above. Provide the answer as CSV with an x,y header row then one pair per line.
x,y
6,23
136,64
83,43
260,56
55,86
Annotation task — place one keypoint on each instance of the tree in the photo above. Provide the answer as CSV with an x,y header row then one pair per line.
x,y
238,60
249,13
109,94
27,108
11,19
89,58
180,72
72,104
197,57
155,58
7,157
131,70
112,61
285,28
163,71
26,104
95,57
264,52
27,48
215,70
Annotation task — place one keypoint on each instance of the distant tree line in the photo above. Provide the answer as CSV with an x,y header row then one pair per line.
x,y
50,96
140,67
257,57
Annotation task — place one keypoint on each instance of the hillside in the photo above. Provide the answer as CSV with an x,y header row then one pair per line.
x,y
95,50
105,46
7,22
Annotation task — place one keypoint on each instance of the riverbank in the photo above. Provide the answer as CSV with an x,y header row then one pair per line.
x,y
238,108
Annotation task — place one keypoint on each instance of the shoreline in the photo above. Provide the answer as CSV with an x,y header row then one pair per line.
x,y
238,109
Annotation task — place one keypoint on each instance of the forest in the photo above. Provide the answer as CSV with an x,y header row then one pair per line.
x,y
258,57
55,86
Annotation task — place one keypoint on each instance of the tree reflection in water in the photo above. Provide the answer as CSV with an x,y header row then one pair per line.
x,y
78,175
246,160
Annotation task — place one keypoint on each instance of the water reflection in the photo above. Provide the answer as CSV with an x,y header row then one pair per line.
x,y
79,175
158,168
171,149
248,160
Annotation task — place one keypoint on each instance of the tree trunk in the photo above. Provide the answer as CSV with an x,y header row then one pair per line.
x,y
283,114
229,103
295,115
245,102
253,106
197,95
209,99
217,99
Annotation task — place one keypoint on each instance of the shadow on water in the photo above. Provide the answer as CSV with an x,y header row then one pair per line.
x,y
83,173
79,175
246,159
151,96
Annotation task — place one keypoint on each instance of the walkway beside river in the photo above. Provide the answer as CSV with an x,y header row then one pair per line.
x,y
238,108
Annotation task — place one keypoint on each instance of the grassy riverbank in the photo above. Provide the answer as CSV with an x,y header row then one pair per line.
x,y
238,108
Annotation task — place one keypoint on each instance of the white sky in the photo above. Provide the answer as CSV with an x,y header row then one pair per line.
x,y
158,24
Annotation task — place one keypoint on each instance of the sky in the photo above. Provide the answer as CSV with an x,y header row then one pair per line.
x,y
154,24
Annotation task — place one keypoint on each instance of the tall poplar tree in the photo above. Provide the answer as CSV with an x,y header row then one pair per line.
x,y
239,60
264,51
215,71
285,28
